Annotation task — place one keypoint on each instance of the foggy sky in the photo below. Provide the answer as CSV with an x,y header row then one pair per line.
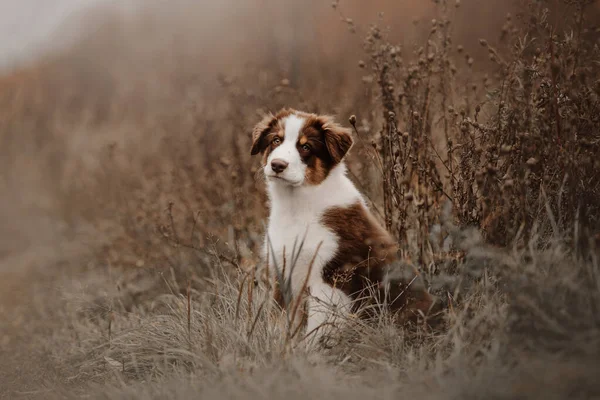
x,y
26,25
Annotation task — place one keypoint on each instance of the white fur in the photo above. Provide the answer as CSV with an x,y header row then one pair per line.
x,y
295,172
326,307
296,212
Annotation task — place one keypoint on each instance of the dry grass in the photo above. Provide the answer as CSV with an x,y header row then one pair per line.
x,y
526,326
128,153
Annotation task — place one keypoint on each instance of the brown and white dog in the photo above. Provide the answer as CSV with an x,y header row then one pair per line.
x,y
320,222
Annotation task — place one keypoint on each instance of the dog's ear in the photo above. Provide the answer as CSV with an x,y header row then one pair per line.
x,y
337,138
260,131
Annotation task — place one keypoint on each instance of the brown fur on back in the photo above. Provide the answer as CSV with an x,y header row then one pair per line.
x,y
366,250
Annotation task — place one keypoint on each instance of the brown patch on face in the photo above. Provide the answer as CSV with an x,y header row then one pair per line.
x,y
359,267
259,132
270,124
317,172
327,141
272,140
337,139
317,158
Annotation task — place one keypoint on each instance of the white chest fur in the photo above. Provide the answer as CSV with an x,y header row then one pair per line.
x,y
295,220
300,238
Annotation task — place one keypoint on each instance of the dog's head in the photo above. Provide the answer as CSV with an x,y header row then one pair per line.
x,y
299,148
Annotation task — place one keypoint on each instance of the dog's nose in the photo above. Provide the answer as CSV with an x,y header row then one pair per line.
x,y
278,165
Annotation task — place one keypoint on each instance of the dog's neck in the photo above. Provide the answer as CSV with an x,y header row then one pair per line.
x,y
337,190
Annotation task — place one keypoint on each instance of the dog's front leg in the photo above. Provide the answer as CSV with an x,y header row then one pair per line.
x,y
328,307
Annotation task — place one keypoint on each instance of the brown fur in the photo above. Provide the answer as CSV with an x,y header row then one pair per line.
x,y
359,267
270,124
337,138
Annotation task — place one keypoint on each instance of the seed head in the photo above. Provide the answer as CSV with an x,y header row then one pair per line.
x,y
532,162
225,161
367,79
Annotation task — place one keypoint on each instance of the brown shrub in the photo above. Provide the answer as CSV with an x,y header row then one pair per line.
x,y
505,144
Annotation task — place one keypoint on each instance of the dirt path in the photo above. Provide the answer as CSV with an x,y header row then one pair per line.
x,y
23,368
28,273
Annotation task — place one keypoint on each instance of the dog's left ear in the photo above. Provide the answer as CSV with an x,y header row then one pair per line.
x,y
337,138
260,131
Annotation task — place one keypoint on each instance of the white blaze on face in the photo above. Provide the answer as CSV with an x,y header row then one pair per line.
x,y
288,151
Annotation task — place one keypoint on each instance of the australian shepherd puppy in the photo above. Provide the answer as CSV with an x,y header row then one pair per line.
x,y
320,225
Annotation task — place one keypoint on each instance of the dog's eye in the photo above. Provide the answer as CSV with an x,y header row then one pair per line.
x,y
305,148
276,140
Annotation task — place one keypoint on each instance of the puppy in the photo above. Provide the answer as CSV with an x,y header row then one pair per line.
x,y
320,228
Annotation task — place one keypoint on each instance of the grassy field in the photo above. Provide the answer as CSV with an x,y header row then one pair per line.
x,y
132,213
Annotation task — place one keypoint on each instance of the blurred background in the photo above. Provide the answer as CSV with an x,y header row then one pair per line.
x,y
80,74
125,136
